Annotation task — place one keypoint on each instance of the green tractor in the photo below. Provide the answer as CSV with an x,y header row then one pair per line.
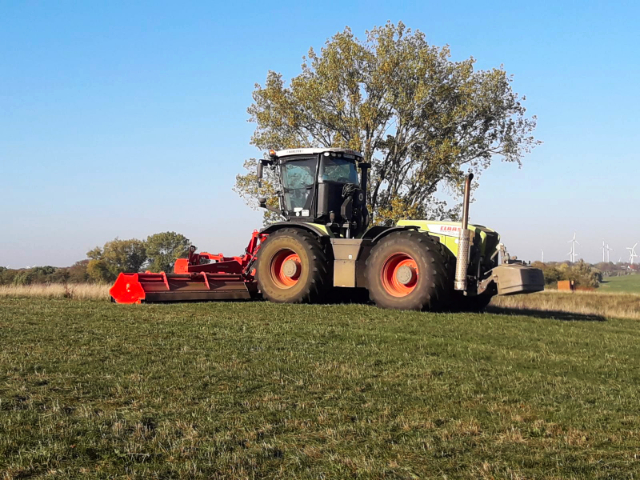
x,y
325,243
325,247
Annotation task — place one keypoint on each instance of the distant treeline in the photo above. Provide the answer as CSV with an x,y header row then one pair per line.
x,y
581,273
157,253
77,273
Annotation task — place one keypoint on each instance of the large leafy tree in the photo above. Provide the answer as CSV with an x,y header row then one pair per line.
x,y
163,249
421,119
115,257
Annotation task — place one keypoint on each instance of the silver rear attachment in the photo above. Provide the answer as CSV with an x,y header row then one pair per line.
x,y
464,240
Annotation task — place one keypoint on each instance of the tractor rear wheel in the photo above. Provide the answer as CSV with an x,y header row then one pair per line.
x,y
410,271
293,267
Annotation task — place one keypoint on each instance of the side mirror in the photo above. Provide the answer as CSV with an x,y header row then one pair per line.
x,y
364,168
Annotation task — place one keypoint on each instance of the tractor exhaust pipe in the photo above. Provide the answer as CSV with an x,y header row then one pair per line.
x,y
259,173
462,262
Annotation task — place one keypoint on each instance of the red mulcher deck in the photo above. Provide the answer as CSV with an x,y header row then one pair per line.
x,y
201,277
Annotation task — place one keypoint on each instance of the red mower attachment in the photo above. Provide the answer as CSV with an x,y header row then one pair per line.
x,y
200,277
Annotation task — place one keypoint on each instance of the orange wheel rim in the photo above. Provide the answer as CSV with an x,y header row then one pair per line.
x,y
400,275
286,268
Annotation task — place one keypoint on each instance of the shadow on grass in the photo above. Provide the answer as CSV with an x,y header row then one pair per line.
x,y
555,314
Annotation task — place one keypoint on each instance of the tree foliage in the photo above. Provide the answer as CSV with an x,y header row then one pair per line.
x,y
421,119
163,249
99,271
78,272
581,273
115,257
35,275
103,264
157,254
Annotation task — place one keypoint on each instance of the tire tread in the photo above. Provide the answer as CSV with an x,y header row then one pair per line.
x,y
434,295
320,271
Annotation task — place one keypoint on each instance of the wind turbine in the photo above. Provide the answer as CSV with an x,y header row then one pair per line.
x,y
632,253
609,250
542,260
572,253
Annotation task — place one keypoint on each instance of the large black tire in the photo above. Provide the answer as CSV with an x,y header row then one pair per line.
x,y
312,278
431,284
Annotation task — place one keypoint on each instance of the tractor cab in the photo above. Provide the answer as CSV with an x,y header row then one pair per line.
x,y
321,186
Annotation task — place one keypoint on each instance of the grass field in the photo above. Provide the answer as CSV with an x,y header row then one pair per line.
x,y
82,291
257,390
625,284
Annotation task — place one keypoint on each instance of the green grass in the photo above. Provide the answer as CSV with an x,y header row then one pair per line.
x,y
258,390
625,284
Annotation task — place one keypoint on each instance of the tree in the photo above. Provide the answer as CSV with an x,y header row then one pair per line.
x,y
23,277
584,275
7,276
550,271
581,273
115,257
163,249
125,255
421,119
39,275
605,267
98,271
78,272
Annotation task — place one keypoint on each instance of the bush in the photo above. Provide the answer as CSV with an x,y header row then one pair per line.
x,y
581,273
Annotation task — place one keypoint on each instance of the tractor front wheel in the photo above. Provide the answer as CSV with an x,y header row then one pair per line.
x,y
293,267
409,271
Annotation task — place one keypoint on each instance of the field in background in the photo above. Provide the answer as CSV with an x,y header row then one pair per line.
x,y
561,304
257,390
81,291
626,283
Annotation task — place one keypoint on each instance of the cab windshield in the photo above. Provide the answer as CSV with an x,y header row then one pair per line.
x,y
336,169
298,179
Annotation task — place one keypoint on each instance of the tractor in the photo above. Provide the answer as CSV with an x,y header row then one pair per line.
x,y
325,245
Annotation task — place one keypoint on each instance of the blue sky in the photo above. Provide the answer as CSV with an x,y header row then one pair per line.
x,y
129,118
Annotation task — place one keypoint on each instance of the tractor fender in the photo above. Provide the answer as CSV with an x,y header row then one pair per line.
x,y
318,230
375,234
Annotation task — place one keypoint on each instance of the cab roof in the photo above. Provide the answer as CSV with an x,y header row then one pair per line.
x,y
315,151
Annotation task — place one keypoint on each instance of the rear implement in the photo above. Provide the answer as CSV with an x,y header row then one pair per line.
x,y
200,277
